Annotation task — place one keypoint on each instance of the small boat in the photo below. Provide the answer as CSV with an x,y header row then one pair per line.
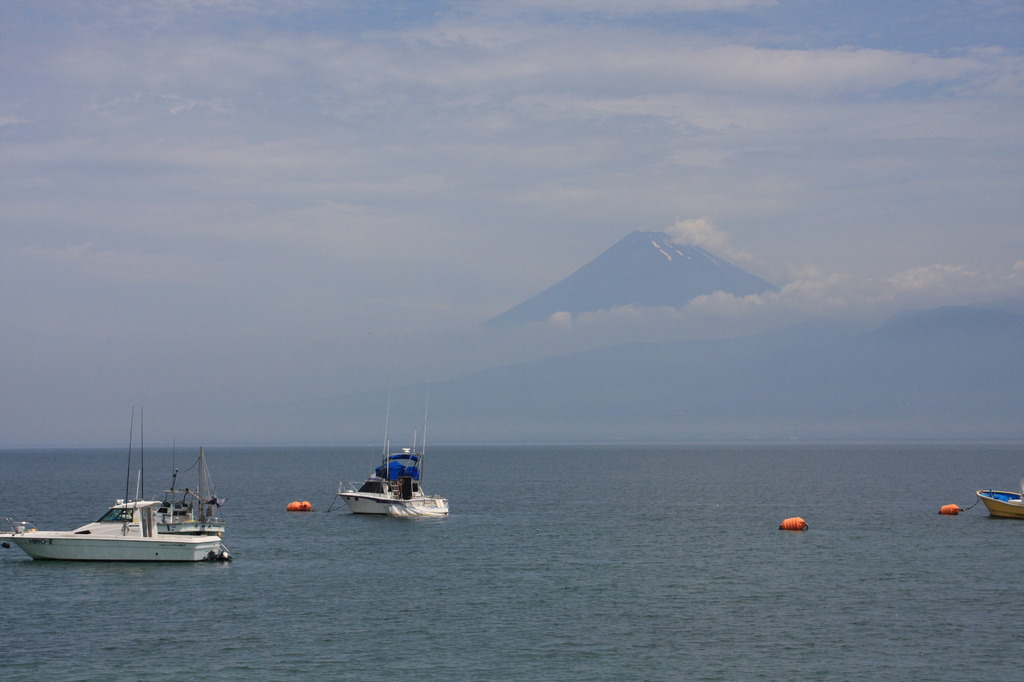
x,y
178,515
1002,503
127,532
394,488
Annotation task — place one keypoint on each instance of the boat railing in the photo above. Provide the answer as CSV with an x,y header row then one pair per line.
x,y
17,526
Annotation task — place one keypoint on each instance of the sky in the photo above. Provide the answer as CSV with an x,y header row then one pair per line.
x,y
213,204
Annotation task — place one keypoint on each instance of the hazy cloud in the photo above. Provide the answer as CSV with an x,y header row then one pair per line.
x,y
704,233
331,185
643,6
811,293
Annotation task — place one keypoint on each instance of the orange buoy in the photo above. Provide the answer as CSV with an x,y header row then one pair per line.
x,y
299,506
795,523
949,509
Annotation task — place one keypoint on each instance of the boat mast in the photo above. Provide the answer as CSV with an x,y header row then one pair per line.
x,y
426,408
423,449
387,422
204,480
202,484
142,455
128,473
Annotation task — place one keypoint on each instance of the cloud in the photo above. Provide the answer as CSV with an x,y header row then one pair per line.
x,y
824,72
83,263
956,283
812,292
930,277
702,232
699,232
624,7
609,59
560,319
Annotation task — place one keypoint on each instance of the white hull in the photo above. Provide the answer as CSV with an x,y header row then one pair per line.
x,y
124,533
369,503
70,547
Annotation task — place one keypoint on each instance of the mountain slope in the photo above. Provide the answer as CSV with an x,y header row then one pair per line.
x,y
643,269
950,373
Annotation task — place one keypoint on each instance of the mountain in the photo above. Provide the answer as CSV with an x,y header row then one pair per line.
x,y
952,373
644,269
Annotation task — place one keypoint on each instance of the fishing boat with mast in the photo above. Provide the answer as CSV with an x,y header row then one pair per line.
x,y
395,487
126,532
192,512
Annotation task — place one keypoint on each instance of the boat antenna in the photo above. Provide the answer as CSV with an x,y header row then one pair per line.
x,y
205,485
174,470
387,422
128,474
423,446
426,409
142,454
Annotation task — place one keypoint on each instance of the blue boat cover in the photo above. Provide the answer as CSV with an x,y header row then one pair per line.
x,y
404,455
396,468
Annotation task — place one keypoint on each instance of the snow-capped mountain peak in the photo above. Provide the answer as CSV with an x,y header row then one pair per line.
x,y
643,269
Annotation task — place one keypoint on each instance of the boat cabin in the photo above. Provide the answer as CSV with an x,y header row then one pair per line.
x,y
374,485
125,518
403,487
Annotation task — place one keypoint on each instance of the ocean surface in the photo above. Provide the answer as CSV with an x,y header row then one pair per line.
x,y
556,563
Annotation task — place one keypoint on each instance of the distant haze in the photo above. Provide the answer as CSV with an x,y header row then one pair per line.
x,y
947,374
254,217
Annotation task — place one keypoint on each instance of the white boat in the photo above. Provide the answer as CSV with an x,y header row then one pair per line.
x,y
188,512
127,532
394,488
1002,503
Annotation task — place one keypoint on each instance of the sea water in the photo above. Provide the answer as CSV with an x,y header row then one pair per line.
x,y
556,563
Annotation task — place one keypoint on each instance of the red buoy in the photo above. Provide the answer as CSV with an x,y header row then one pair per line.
x,y
299,506
795,523
950,509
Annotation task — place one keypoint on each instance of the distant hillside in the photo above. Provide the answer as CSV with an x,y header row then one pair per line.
x,y
644,269
949,373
